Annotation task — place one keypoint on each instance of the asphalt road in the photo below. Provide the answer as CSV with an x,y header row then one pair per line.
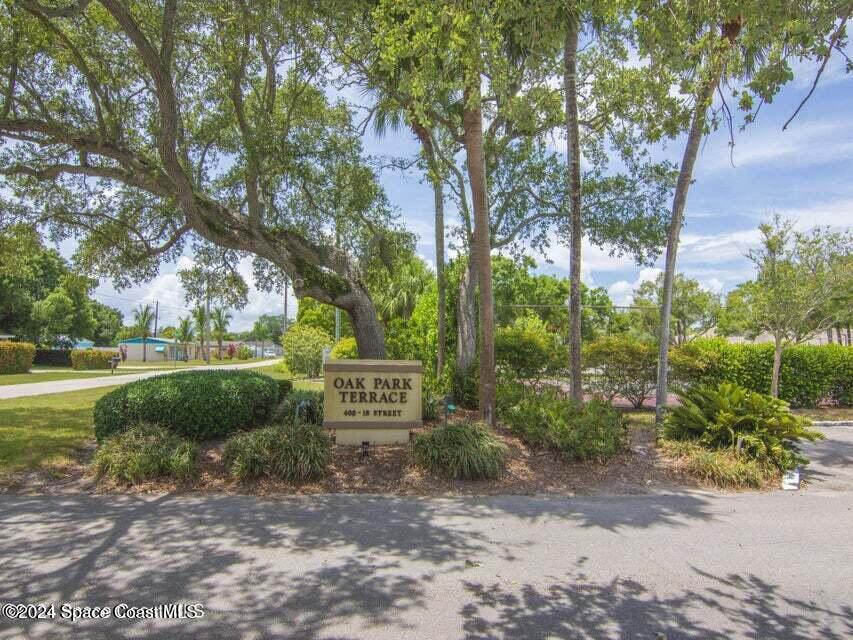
x,y
77,384
689,565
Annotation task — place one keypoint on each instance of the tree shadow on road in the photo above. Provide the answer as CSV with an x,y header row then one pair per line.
x,y
274,566
575,606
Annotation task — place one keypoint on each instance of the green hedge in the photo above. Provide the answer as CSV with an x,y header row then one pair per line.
x,y
810,374
16,357
53,357
195,404
91,359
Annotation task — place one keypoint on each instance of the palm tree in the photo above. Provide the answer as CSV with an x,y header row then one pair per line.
x,y
143,316
261,332
200,322
221,319
397,299
184,333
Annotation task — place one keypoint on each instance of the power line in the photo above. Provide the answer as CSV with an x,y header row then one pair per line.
x,y
583,306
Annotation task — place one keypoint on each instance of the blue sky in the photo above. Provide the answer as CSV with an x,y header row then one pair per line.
x,y
804,173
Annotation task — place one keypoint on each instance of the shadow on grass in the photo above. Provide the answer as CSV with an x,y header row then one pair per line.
x,y
35,434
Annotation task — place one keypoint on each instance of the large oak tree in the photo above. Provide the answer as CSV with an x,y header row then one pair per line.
x,y
138,125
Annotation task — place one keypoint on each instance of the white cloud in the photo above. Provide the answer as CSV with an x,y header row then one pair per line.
x,y
833,213
716,248
622,291
712,285
803,144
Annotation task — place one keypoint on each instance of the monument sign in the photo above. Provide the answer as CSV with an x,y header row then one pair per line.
x,y
376,401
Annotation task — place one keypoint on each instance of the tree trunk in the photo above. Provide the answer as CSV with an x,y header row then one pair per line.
x,y
441,284
829,335
466,318
777,367
144,350
368,330
691,150
426,140
730,31
848,336
472,121
838,334
220,347
574,184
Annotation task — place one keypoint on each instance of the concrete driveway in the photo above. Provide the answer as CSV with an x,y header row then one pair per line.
x,y
58,386
688,565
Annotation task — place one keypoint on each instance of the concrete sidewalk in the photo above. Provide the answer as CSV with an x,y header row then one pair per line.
x,y
77,384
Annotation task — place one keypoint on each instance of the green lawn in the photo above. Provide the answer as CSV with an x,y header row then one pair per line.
x,y
41,432
311,385
44,431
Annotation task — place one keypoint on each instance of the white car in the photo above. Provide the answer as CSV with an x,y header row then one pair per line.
x,y
269,353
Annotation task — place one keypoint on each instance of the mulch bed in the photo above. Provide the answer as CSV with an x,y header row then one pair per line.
x,y
391,470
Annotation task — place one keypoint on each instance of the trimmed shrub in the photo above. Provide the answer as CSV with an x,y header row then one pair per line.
x,y
280,367
16,357
288,452
624,367
284,388
810,374
723,468
526,349
460,450
303,349
82,359
345,349
194,404
548,419
53,357
728,416
464,386
300,406
244,352
146,452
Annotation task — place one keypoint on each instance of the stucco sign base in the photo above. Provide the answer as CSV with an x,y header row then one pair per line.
x,y
373,436
375,401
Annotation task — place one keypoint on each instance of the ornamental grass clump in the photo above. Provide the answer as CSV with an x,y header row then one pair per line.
x,y
722,468
293,452
461,450
146,452
751,424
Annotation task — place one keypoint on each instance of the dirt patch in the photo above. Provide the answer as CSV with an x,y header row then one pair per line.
x,y
391,470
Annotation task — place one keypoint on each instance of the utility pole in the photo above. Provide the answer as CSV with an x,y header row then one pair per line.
x,y
284,320
156,315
